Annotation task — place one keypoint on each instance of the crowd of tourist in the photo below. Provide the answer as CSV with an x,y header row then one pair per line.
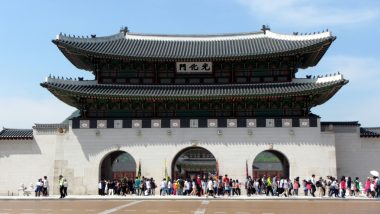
x,y
330,186
217,186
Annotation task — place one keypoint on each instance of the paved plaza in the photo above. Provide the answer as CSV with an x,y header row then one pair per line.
x,y
196,206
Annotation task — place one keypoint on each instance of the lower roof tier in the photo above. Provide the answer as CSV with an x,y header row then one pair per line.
x,y
317,90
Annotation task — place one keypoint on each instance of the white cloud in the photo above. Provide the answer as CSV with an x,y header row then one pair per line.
x,y
311,13
359,99
24,112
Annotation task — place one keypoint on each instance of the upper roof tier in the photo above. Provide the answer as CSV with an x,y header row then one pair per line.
x,y
149,47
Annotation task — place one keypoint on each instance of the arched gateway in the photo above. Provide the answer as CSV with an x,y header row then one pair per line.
x,y
270,163
117,164
193,161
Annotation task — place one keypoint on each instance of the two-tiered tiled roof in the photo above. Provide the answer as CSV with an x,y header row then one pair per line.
x,y
91,89
262,44
16,134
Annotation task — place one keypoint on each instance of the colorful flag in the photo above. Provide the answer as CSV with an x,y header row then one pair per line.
x,y
139,171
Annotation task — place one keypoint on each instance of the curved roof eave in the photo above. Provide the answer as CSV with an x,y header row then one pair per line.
x,y
135,46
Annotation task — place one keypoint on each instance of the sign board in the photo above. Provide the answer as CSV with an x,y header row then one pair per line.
x,y
194,67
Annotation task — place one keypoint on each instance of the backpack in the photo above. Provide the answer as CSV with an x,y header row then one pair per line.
x,y
378,182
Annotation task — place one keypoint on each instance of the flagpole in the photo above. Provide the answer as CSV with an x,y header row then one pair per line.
x,y
166,173
246,168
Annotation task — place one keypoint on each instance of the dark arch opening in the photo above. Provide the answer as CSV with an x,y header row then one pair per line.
x,y
118,164
270,163
193,161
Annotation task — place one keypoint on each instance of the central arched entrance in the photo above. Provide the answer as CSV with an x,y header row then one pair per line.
x,y
270,163
118,164
193,161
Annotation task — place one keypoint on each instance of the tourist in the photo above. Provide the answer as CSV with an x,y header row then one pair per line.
x,y
290,189
367,187
181,186
148,186
103,186
194,188
372,188
238,190
124,186
210,188
274,185
260,185
312,185
163,187
215,184
45,186
204,184
220,186
111,187
296,186
334,187
65,186
268,185
320,184
357,186
61,187
226,185
349,186
231,185
283,187
187,187
38,188
342,186
137,186
100,188
170,187
305,190
256,186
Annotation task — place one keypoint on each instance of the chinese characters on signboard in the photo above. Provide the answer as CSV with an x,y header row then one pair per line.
x,y
194,67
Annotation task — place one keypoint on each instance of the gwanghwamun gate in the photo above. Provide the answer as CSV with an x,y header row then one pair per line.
x,y
189,105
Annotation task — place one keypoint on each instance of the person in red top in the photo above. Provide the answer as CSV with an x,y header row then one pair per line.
x,y
199,185
343,186
226,184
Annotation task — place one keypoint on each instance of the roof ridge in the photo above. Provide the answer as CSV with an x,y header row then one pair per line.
x,y
196,35
217,36
4,128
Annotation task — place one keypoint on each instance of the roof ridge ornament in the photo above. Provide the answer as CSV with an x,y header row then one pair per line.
x,y
124,30
265,28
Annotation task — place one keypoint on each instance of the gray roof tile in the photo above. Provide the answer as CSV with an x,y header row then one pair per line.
x,y
16,134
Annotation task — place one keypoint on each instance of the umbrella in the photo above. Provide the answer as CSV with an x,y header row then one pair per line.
x,y
374,173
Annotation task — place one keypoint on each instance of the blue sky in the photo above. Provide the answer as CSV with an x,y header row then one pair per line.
x,y
27,54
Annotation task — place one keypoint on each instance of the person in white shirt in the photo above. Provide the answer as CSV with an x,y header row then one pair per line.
x,y
45,186
163,187
210,188
148,187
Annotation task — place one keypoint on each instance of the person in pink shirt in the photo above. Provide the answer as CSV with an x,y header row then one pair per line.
x,y
367,187
343,186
